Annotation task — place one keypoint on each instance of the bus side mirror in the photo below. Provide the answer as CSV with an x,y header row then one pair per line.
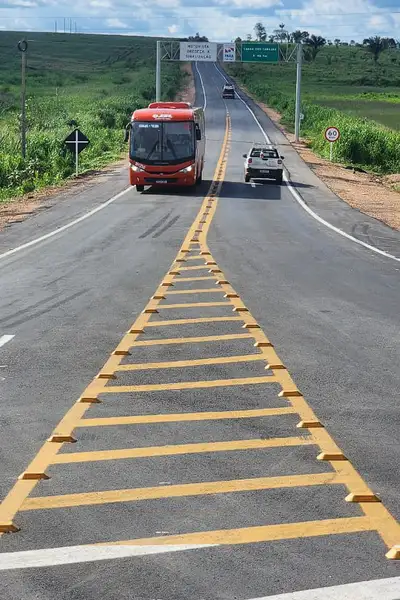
x,y
198,133
127,131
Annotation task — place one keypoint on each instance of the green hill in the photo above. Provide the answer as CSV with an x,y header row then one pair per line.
x,y
96,80
342,87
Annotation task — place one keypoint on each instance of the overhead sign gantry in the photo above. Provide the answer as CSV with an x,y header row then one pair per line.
x,y
245,52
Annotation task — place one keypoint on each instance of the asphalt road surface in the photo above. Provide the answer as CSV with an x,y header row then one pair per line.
x,y
199,390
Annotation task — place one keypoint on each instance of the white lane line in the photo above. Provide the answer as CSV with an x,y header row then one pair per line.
x,y
64,227
300,200
202,87
5,338
90,213
382,589
48,557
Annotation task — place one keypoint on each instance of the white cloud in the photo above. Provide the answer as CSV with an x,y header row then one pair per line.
x,y
247,4
116,24
22,3
100,4
344,20
220,20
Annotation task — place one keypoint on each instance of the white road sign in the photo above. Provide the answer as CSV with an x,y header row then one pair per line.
x,y
201,51
229,53
332,134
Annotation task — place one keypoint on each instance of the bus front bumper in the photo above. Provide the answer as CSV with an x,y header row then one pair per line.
x,y
183,179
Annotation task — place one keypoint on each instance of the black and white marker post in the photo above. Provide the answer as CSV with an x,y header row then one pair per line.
x,y
76,141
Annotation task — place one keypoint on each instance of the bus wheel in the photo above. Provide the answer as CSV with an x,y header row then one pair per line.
x,y
140,188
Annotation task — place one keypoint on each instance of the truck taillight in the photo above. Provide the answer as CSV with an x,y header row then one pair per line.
x,y
250,160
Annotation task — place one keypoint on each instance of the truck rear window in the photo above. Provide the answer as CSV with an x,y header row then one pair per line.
x,y
266,153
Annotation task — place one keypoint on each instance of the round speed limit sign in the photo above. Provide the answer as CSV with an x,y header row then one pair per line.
x,y
332,134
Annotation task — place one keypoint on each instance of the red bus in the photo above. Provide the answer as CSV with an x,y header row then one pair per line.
x,y
166,145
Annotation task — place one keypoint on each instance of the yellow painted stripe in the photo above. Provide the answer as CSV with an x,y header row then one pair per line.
x,y
193,305
251,535
187,385
206,278
176,491
11,504
215,290
192,321
179,364
195,257
78,457
193,340
195,268
176,417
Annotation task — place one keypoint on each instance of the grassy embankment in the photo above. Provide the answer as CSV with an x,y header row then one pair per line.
x,y
95,80
342,88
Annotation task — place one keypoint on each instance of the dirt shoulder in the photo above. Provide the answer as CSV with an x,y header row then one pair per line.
x,y
16,210
373,195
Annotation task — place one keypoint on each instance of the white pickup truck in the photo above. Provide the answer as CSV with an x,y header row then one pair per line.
x,y
263,162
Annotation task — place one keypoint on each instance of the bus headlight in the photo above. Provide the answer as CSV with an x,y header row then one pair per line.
x,y
187,169
136,168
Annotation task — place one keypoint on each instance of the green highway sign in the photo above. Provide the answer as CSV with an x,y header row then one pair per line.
x,y
260,52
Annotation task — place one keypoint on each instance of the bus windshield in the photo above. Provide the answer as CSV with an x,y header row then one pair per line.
x,y
162,143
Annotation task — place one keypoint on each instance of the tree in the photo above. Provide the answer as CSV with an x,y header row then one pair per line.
x,y
299,37
281,34
198,38
238,40
337,42
316,42
376,45
248,37
390,42
260,32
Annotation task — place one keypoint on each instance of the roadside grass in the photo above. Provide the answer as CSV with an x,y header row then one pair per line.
x,y
344,88
97,81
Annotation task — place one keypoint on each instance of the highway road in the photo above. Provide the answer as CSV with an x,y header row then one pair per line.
x,y
199,390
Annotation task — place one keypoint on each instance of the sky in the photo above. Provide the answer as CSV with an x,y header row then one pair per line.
x,y
219,20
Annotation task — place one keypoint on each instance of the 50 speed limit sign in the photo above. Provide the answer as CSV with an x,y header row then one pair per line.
x,y
332,134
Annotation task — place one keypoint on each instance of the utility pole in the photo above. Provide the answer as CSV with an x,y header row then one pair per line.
x,y
298,92
70,25
55,26
158,72
23,48
64,24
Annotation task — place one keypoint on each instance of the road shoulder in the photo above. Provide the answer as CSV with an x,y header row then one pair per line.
x,y
320,198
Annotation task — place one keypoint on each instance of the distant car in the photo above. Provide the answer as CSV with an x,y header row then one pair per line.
x,y
228,91
263,162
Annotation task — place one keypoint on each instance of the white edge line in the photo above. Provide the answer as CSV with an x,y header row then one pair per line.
x,y
90,213
67,555
384,589
5,338
300,200
64,227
